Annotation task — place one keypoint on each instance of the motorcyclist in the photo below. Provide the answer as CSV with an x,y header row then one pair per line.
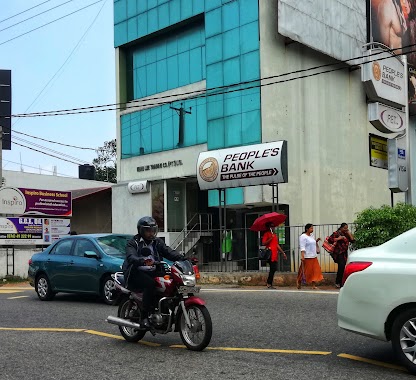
x,y
139,266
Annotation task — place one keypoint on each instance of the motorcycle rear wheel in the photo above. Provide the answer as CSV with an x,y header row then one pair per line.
x,y
126,310
199,335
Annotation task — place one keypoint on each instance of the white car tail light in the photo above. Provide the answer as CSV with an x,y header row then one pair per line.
x,y
353,267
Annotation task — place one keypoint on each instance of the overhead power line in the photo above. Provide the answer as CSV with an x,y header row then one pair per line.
x,y
36,15
60,18
210,91
27,10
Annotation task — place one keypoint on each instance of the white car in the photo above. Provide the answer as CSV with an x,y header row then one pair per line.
x,y
378,298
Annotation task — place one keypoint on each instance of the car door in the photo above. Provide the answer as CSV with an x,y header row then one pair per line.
x,y
57,264
84,271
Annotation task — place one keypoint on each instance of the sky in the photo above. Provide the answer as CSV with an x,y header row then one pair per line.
x,y
67,64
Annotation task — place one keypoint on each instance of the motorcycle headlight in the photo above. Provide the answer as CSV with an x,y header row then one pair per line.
x,y
188,279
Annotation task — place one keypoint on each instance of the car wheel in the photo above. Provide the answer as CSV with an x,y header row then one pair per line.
x,y
43,288
403,338
107,290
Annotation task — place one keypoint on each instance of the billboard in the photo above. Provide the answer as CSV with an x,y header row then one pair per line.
x,y
22,201
32,231
393,23
249,165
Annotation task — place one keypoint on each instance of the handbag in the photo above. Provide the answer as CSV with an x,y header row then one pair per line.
x,y
328,246
265,254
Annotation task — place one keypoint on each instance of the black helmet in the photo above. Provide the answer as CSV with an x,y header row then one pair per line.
x,y
147,223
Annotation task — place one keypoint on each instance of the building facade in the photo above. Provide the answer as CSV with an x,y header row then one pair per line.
x,y
198,75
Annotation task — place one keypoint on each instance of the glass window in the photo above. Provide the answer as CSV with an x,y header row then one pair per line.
x,y
114,245
82,246
62,247
158,203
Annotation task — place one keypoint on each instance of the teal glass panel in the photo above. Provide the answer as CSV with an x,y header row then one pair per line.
x,y
131,28
150,55
168,116
171,47
230,16
251,127
250,98
204,65
145,135
141,6
215,106
174,12
232,126
162,76
152,21
186,9
135,144
232,71
151,4
120,11
161,51
139,59
195,59
196,39
183,42
141,82
156,128
216,134
162,1
250,66
249,37
233,196
213,24
120,33
201,120
231,44
215,77
173,72
213,49
184,74
249,11
141,25
131,8
197,6
163,11
211,4
232,103
151,79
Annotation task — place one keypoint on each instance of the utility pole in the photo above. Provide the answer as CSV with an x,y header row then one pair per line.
x,y
181,112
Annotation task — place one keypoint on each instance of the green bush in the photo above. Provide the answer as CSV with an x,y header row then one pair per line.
x,y
375,226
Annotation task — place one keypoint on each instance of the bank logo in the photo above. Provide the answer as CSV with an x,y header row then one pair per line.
x,y
208,169
376,71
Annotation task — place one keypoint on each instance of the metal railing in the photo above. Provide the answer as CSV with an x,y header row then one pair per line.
x,y
199,225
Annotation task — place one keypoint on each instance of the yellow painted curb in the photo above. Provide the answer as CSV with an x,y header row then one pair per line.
x,y
372,361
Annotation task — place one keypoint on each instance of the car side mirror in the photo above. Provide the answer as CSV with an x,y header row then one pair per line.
x,y
91,254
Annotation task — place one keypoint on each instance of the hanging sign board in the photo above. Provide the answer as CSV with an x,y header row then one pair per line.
x,y
383,78
386,119
398,175
250,165
138,187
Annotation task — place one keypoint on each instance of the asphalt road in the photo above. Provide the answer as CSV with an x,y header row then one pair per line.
x,y
257,334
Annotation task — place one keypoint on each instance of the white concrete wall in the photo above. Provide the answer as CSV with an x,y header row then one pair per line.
x,y
21,261
324,120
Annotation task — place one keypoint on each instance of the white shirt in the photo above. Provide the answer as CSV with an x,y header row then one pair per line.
x,y
308,244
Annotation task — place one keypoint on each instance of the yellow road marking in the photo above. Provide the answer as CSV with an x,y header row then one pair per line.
x,y
40,329
266,350
13,298
93,332
372,361
10,291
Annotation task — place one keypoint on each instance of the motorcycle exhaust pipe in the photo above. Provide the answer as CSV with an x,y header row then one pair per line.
x,y
123,322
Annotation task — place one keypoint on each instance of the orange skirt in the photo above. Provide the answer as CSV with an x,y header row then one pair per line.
x,y
312,271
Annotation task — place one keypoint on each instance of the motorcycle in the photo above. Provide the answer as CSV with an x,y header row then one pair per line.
x,y
178,308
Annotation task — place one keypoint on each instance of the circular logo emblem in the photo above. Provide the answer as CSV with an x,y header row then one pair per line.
x,y
376,71
208,169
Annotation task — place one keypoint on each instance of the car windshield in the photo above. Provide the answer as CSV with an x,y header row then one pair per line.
x,y
114,245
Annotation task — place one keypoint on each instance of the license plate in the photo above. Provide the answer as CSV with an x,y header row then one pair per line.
x,y
189,289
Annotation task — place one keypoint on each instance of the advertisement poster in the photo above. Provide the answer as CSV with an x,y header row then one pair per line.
x,y
393,23
378,152
18,201
32,231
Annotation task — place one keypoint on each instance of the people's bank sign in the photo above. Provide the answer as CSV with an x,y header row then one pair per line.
x,y
22,201
250,165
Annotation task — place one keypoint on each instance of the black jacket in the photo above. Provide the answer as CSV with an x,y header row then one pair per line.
x,y
135,259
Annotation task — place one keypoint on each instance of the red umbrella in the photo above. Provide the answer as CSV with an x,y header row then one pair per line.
x,y
273,217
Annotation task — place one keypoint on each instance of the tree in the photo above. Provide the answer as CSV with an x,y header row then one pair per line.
x,y
106,154
376,226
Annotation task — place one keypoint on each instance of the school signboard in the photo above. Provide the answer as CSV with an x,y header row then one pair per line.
x,y
249,165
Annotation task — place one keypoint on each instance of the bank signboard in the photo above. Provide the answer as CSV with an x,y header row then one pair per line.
x,y
32,231
386,119
23,201
249,165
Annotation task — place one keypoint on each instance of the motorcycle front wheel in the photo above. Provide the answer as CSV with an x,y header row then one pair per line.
x,y
198,336
130,310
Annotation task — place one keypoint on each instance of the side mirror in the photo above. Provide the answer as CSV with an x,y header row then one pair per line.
x,y
91,254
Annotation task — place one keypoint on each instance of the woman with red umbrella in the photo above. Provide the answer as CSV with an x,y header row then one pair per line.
x,y
270,241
